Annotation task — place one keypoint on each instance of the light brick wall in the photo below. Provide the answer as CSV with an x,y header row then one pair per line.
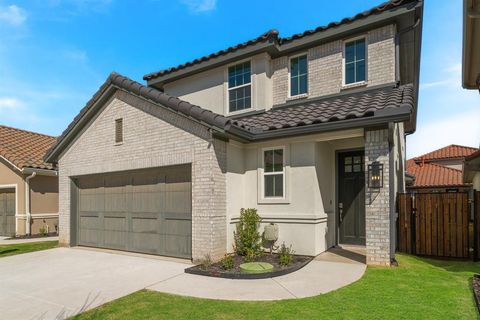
x,y
325,66
377,201
153,137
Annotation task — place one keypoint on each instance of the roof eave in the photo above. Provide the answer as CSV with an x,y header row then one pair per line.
x,y
471,45
382,117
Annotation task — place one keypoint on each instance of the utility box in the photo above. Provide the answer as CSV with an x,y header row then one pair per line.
x,y
271,232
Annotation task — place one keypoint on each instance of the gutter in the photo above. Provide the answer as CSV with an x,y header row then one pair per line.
x,y
27,202
41,172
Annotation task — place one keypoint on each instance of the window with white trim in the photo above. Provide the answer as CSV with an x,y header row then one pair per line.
x,y
355,61
239,87
274,173
298,75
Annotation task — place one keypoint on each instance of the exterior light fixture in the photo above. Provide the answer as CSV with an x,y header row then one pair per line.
x,y
375,175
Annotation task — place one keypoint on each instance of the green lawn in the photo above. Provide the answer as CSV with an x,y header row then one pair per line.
x,y
13,249
417,289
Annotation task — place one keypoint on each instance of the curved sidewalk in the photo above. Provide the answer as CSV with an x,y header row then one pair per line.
x,y
326,273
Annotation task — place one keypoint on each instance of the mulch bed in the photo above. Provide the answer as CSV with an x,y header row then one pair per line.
x,y
34,236
216,269
476,289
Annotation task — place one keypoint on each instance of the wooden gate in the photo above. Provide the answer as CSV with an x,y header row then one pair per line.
x,y
436,224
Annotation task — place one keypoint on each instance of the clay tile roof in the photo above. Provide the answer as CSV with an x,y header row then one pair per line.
x,y
335,108
448,152
433,175
273,36
25,149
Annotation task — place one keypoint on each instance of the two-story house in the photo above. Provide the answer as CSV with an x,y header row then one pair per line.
x,y
309,129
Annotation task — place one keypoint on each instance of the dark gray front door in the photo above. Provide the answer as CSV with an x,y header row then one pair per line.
x,y
7,212
147,211
351,197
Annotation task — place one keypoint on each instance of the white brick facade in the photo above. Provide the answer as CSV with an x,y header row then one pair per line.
x,y
153,137
377,201
325,66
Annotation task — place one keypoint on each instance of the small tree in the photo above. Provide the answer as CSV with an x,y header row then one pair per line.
x,y
247,238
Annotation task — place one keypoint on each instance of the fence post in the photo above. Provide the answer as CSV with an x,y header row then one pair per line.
x,y
476,212
413,224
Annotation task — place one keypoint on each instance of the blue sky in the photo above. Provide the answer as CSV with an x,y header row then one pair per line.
x,y
54,54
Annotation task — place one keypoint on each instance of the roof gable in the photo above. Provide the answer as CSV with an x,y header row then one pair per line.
x,y
25,149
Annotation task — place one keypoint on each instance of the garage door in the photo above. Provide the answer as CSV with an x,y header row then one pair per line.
x,y
7,212
146,211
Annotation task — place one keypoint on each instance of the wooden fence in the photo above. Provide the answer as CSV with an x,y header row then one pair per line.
x,y
438,224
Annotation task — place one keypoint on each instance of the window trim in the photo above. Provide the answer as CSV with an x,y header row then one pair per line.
x,y
344,44
263,174
227,89
300,95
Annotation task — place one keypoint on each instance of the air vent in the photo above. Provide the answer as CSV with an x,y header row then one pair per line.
x,y
119,130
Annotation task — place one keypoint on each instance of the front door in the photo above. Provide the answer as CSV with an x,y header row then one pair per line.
x,y
351,198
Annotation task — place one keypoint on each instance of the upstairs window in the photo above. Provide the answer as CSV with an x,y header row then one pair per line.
x,y
273,173
298,75
239,87
119,130
355,63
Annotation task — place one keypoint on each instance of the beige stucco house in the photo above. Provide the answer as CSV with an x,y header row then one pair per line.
x,y
28,185
308,129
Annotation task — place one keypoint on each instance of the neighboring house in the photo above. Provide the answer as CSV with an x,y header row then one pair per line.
x,y
471,172
289,126
471,45
28,185
441,170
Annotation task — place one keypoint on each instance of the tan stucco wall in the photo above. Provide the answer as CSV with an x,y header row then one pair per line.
x,y
8,176
44,194
208,89
476,181
306,218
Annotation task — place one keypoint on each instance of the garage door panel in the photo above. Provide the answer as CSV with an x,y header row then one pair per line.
x,y
147,242
146,211
90,230
145,225
178,237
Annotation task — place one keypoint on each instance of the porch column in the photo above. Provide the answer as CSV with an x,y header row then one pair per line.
x,y
377,201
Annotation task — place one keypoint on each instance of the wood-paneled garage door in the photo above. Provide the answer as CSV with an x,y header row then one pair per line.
x,y
145,211
7,212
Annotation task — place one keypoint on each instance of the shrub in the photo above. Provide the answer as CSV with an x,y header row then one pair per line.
x,y
206,262
247,238
227,262
285,255
43,231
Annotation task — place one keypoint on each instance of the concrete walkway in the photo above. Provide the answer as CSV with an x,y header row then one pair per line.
x,y
61,282
329,271
9,240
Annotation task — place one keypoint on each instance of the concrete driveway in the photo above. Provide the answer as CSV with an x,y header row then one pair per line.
x,y
61,282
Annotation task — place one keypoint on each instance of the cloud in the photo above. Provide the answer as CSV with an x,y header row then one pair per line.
x,y
76,55
12,15
200,6
451,77
10,103
462,128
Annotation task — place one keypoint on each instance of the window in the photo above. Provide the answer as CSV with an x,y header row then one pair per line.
x,y
239,87
355,53
273,173
298,75
119,130
353,164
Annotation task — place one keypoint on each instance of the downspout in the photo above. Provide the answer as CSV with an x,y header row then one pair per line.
x,y
392,183
27,202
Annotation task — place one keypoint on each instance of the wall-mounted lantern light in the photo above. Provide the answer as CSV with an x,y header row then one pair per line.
x,y
375,175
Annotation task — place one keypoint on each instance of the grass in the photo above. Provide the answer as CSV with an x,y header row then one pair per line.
x,y
14,249
418,289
